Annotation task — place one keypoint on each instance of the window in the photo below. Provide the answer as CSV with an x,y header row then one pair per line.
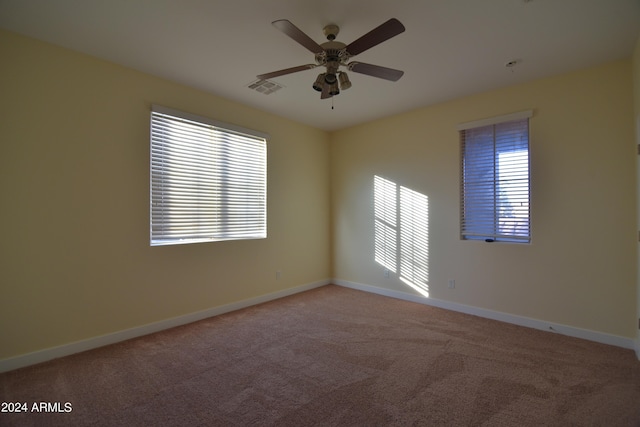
x,y
495,179
208,180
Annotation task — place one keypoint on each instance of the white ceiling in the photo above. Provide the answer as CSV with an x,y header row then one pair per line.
x,y
451,48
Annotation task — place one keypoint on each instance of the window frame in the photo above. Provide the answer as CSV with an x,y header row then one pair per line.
x,y
475,226
234,191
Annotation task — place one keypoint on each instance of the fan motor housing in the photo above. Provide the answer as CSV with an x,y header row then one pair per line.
x,y
332,51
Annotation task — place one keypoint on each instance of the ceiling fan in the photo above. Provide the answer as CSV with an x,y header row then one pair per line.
x,y
333,54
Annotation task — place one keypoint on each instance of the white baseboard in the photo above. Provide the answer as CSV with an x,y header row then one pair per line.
x,y
600,337
112,338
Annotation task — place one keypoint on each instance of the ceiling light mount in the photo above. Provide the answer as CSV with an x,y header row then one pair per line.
x,y
512,63
331,31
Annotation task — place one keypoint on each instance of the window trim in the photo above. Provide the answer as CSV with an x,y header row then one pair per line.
x,y
196,118
526,114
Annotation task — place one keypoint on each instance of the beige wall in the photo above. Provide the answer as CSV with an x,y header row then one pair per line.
x,y
75,261
579,270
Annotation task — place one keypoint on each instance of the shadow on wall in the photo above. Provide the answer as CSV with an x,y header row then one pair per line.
x,y
401,232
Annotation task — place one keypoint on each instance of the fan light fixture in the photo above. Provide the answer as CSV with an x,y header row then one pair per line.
x,y
319,83
345,83
333,89
330,78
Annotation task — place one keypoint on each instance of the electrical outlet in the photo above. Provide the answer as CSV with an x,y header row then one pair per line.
x,y
278,274
386,273
451,284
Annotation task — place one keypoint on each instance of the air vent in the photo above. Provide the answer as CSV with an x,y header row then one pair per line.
x,y
265,86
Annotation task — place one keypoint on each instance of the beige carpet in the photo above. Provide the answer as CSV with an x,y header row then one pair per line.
x,y
336,356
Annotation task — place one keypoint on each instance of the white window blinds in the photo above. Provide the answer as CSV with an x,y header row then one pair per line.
x,y
495,180
208,180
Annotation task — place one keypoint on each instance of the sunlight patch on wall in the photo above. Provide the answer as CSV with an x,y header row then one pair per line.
x,y
401,232
414,239
385,207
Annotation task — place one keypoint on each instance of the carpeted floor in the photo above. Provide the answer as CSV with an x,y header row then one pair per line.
x,y
335,356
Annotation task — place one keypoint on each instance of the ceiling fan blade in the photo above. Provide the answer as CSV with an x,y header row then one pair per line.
x,y
295,33
376,71
286,71
383,32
